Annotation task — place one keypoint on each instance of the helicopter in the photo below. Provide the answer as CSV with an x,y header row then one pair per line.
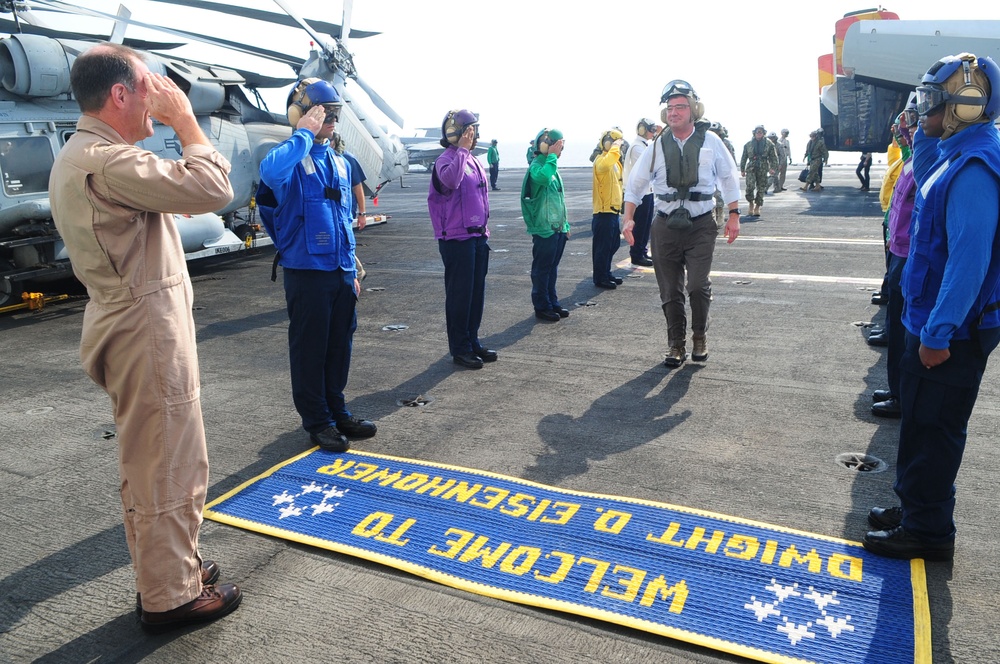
x,y
38,114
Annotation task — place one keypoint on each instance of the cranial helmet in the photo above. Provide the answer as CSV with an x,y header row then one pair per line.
x,y
609,137
967,87
772,136
679,87
784,132
455,124
310,92
545,139
907,120
645,125
759,128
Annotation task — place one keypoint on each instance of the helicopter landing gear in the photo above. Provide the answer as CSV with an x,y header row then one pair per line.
x,y
245,233
10,291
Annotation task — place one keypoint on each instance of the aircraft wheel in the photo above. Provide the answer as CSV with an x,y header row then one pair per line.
x,y
10,291
243,232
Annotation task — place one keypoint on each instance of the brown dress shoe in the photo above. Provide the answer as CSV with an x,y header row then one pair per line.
x,y
675,356
214,602
700,351
209,574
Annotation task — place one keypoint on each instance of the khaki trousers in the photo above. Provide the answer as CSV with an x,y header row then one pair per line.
x,y
675,252
144,356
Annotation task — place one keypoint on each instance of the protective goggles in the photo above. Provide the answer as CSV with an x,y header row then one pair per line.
x,y
332,113
676,87
929,98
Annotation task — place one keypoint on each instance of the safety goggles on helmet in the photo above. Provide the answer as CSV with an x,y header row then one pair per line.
x,y
677,87
930,98
332,113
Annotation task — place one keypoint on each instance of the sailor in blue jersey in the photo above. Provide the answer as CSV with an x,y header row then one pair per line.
x,y
951,292
311,229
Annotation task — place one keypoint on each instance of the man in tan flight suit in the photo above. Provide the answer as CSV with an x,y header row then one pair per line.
x,y
112,203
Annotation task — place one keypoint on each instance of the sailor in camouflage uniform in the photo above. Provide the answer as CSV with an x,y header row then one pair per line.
x,y
758,161
816,156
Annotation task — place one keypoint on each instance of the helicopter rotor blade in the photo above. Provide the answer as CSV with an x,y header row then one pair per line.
x,y
380,103
274,18
317,37
291,61
345,21
10,27
118,33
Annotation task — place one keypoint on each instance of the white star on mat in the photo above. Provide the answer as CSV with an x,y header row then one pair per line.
x,y
322,507
761,610
821,599
835,625
334,493
290,510
796,632
285,497
783,592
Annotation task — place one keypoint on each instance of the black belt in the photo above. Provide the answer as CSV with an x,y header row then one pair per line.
x,y
479,230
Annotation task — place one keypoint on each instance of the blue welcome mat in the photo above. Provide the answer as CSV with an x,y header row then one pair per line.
x,y
755,590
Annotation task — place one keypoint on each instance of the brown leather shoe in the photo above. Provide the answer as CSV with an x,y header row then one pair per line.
x,y
214,602
699,351
675,356
209,574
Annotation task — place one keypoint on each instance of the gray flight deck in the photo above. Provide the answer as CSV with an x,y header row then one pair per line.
x,y
583,404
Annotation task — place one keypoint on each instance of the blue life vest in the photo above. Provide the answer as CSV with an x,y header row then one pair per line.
x,y
311,227
924,272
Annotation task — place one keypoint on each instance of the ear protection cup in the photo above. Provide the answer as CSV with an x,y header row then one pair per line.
x,y
298,101
697,110
450,129
969,112
644,127
663,115
543,142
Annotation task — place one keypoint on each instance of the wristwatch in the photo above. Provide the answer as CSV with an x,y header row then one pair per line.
x,y
736,211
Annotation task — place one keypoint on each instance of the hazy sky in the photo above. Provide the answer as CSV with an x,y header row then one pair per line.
x,y
581,67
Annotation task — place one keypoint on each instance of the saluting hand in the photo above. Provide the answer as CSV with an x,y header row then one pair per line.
x,y
312,120
165,101
467,138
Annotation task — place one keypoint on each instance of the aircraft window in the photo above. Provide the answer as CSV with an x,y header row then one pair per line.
x,y
25,163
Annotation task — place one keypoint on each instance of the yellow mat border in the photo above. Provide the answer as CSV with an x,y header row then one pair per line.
x,y
921,605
